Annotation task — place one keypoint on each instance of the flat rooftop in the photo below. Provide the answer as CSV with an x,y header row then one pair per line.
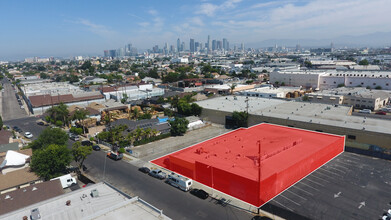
x,y
351,186
110,204
316,113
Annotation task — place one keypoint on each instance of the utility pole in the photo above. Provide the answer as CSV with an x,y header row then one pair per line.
x,y
246,104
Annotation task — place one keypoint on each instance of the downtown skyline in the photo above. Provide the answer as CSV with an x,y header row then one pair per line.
x,y
71,28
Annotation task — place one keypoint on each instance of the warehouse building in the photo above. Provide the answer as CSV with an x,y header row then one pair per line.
x,y
246,163
312,116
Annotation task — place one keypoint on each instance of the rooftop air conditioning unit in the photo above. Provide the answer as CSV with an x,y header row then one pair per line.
x,y
94,193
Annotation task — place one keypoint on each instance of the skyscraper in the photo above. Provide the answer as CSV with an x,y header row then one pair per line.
x,y
192,46
208,43
183,46
214,45
178,44
219,45
225,44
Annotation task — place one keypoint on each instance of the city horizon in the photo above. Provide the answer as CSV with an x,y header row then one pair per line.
x,y
58,30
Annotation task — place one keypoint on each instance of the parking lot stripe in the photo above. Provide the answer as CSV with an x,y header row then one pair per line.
x,y
290,200
350,163
309,186
319,178
336,169
296,194
312,181
282,205
303,190
323,169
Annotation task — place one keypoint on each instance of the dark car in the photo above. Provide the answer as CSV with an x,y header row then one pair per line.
x,y
96,147
86,143
40,123
381,113
144,169
199,193
16,128
115,156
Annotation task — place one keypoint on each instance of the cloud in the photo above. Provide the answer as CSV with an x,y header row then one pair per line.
x,y
98,29
152,12
207,9
210,10
315,18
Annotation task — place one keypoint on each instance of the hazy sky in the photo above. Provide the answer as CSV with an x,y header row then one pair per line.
x,y
63,28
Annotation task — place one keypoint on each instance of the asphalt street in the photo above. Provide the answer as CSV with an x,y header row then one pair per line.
x,y
10,107
175,203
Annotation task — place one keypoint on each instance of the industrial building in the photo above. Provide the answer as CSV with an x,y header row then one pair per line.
x,y
306,115
270,92
317,79
247,163
133,92
357,97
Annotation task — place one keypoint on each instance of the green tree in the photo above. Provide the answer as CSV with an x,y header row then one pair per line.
x,y
51,161
196,109
179,126
232,88
80,115
240,119
184,108
80,153
363,62
49,136
1,123
44,76
305,98
124,98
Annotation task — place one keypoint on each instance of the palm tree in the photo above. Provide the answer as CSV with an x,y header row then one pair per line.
x,y
154,132
131,137
148,132
232,87
80,115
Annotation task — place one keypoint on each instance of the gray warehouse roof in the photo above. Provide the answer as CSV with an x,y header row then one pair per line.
x,y
300,111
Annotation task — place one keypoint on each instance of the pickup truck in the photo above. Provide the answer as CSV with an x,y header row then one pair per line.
x,y
158,174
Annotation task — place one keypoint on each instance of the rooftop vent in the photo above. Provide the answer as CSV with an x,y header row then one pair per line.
x,y
7,197
94,193
34,188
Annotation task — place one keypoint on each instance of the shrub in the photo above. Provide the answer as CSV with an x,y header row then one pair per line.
x,y
58,123
121,150
151,139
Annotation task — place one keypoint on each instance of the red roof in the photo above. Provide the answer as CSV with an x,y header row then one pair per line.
x,y
248,159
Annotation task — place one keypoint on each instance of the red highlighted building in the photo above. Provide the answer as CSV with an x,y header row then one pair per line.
x,y
255,164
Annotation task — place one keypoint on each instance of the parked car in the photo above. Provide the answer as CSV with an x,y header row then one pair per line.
x,y
144,169
157,173
365,111
199,193
86,143
41,123
115,156
74,137
96,147
381,113
28,135
17,129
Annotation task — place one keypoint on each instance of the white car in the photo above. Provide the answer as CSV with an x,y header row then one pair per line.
x,y
28,135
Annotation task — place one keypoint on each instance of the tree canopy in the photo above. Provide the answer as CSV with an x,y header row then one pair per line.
x,y
49,136
51,161
179,126
240,118
80,153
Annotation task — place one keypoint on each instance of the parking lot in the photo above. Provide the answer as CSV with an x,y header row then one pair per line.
x,y
349,187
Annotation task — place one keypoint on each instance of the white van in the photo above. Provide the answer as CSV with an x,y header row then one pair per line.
x,y
180,182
